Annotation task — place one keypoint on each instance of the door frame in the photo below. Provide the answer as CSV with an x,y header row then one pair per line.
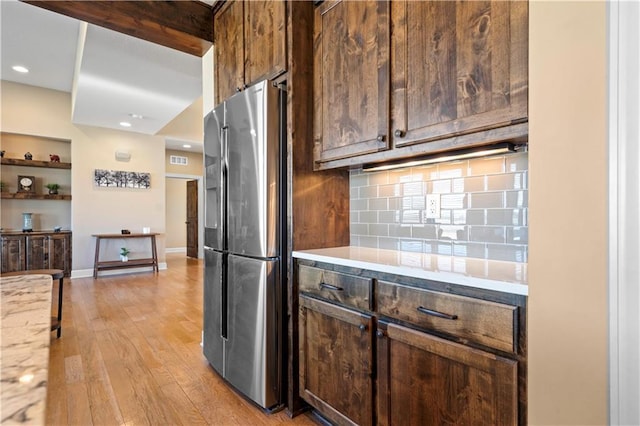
x,y
624,201
200,206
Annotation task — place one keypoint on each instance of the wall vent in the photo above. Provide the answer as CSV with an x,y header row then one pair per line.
x,y
181,161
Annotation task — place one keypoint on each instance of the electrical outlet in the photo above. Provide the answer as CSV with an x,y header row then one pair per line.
x,y
433,206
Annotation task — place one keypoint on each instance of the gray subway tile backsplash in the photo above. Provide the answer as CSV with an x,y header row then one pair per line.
x,y
487,200
359,229
368,191
484,208
378,204
400,231
369,217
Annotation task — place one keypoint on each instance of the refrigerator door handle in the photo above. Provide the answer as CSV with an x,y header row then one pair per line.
x,y
224,176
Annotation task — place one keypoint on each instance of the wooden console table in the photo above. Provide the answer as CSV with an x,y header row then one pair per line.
x,y
99,265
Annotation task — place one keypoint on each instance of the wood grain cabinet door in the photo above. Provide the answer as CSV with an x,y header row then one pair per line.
x,y
265,40
60,252
457,67
13,253
37,252
228,39
425,380
351,78
336,361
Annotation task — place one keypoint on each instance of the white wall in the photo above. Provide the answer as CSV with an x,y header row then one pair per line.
x,y
43,112
567,308
176,195
108,210
176,215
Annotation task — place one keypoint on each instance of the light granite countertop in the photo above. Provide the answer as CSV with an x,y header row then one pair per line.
x,y
25,331
509,277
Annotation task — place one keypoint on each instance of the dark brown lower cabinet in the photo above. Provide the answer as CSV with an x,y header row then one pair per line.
x,y
336,362
392,350
425,380
60,252
37,250
13,253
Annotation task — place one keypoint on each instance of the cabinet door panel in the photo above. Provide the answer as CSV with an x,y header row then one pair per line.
x,y
265,40
13,253
37,252
426,380
228,39
351,79
60,253
458,67
336,361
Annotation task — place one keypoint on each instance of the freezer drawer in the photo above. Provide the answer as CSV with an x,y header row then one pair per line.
x,y
212,339
251,353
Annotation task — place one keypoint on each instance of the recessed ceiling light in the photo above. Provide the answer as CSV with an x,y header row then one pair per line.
x,y
20,68
138,116
125,124
186,145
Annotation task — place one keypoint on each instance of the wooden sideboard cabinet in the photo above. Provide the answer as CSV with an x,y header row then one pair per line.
x,y
36,250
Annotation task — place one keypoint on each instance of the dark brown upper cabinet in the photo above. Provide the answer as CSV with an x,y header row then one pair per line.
x,y
404,78
351,79
250,44
228,41
457,67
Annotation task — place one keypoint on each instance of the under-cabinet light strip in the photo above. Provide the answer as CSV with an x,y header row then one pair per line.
x,y
461,155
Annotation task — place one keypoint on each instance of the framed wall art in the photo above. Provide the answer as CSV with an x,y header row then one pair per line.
x,y
121,179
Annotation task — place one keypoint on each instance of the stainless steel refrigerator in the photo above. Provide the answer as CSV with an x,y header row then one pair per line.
x,y
243,335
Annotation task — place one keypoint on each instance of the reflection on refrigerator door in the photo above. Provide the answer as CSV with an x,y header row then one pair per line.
x,y
251,355
214,180
253,164
213,341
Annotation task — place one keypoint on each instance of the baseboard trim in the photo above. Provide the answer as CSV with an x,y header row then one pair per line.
x,y
176,250
88,273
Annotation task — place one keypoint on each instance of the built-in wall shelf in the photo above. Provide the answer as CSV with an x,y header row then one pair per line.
x,y
34,163
28,196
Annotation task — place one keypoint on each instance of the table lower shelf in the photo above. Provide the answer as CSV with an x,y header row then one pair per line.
x,y
131,263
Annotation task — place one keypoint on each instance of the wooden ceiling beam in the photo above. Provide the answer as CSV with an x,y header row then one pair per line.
x,y
186,26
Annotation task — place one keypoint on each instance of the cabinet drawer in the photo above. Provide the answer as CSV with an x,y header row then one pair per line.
x,y
346,289
487,323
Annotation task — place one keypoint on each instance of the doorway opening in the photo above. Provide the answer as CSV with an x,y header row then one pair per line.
x,y
184,214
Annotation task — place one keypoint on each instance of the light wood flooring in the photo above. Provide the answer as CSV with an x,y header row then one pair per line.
x,y
130,355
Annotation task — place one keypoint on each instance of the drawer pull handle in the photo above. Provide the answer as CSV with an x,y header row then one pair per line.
x,y
436,313
362,327
330,287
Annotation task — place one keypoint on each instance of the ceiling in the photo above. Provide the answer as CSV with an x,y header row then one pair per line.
x,y
112,77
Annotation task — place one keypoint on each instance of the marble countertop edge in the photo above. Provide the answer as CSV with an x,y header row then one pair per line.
x,y
25,306
503,276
